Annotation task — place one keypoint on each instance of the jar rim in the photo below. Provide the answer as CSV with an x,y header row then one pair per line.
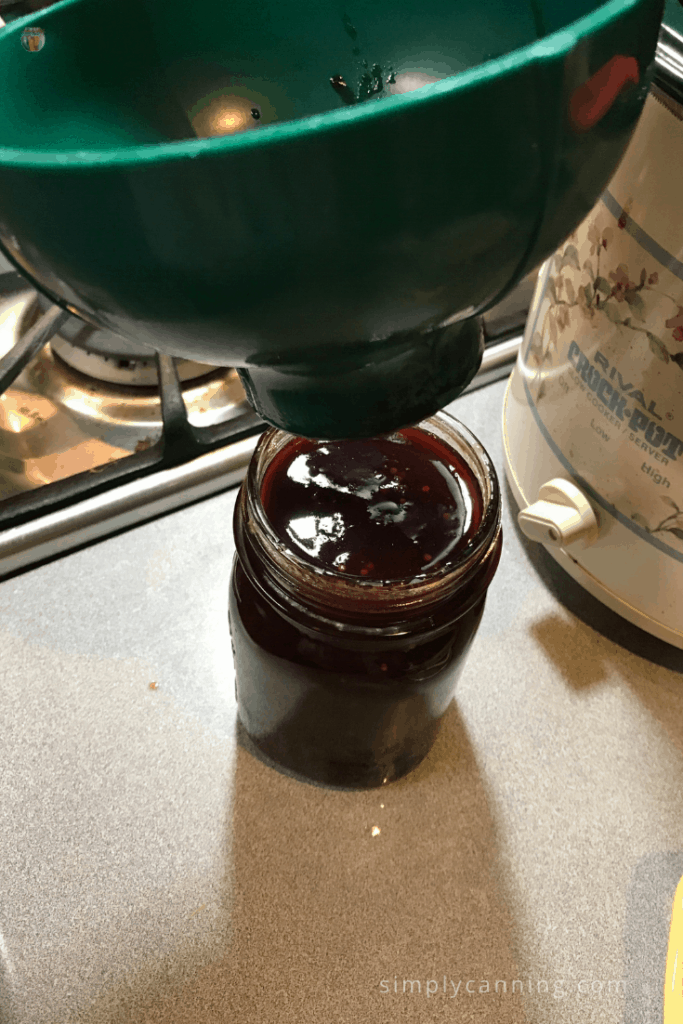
x,y
331,590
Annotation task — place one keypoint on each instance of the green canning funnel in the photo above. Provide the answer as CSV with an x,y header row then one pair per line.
x,y
323,194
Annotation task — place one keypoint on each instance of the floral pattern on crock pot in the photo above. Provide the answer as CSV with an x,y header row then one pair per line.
x,y
672,523
597,292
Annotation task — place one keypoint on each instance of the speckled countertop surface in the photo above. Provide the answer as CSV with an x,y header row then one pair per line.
x,y
152,870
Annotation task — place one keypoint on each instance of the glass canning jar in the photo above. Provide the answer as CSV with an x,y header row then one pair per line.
x,y
345,665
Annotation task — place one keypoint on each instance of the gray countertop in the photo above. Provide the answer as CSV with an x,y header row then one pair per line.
x,y
153,870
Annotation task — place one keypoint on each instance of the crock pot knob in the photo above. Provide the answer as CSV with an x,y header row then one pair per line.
x,y
561,516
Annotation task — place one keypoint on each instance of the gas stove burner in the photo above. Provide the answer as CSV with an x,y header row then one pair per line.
x,y
113,417
105,356
126,368
130,416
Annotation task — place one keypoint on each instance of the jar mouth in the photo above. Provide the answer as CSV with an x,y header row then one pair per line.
x,y
328,587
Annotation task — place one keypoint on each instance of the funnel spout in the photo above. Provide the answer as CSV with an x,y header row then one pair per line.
x,y
378,390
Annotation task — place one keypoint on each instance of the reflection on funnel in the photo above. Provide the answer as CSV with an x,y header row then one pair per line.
x,y
409,81
590,102
673,983
227,113
372,83
372,80
33,39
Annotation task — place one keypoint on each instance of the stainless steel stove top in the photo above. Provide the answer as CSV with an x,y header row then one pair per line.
x,y
74,409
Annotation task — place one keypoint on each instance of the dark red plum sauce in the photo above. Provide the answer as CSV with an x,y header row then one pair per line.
x,y
358,587
384,509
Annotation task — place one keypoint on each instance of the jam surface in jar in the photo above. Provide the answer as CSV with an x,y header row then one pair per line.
x,y
384,509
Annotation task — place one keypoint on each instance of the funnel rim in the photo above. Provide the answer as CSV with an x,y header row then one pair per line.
x,y
551,47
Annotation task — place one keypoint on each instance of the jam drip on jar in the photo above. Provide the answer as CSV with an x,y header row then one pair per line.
x,y
388,508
